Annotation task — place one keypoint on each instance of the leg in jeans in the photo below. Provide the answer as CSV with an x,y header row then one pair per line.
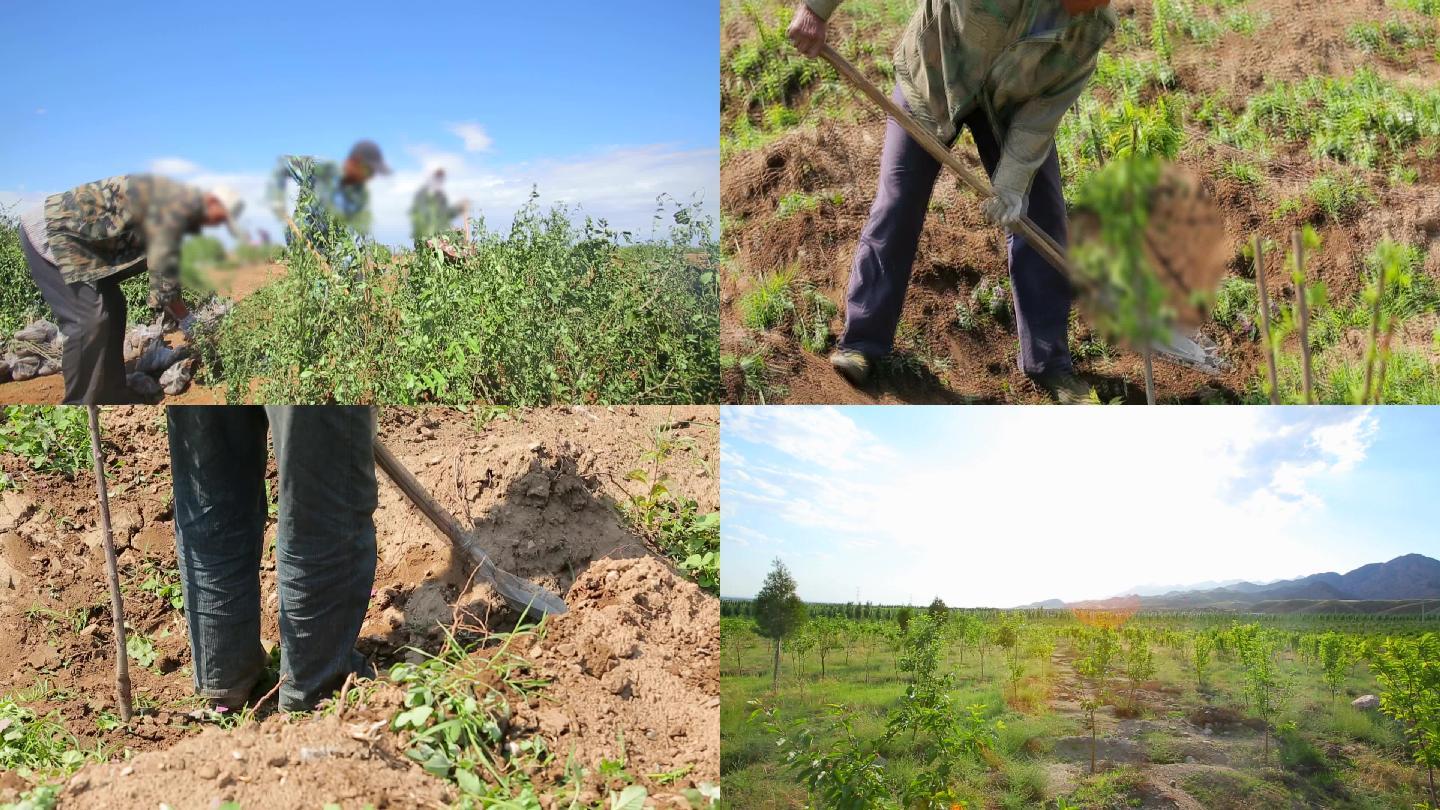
x,y
92,319
217,456
883,259
1042,295
325,550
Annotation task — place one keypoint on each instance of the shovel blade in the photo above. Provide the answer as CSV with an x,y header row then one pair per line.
x,y
526,596
1199,354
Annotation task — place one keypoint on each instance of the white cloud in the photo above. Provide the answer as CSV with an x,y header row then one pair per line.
x,y
1007,506
1346,442
474,135
175,166
619,185
820,436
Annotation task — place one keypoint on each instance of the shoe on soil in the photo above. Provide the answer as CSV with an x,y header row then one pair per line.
x,y
1063,386
853,366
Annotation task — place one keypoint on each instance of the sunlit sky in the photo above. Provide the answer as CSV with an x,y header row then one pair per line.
x,y
602,104
1007,506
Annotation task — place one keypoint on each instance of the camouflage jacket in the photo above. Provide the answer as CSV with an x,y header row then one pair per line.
x,y
431,213
124,225
349,202
1024,62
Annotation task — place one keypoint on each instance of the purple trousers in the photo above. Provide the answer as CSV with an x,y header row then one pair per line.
x,y
883,259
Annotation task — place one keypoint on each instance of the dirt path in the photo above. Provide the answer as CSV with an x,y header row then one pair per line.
x,y
237,284
633,668
1169,742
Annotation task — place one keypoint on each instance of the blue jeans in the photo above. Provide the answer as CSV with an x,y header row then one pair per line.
x,y
883,259
324,549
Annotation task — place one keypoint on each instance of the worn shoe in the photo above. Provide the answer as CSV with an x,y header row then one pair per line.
x,y
1063,386
853,366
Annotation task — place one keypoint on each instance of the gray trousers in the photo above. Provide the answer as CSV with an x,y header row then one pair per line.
x,y
92,319
324,549
886,253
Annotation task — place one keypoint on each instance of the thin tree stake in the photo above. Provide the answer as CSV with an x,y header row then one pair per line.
x,y
1265,319
1304,307
1384,357
117,604
1149,378
1374,331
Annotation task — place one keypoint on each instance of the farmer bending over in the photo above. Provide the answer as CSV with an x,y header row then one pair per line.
x,y
1007,70
82,243
324,544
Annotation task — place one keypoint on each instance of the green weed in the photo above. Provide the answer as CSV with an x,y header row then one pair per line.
x,y
547,312
675,524
53,439
455,703
769,303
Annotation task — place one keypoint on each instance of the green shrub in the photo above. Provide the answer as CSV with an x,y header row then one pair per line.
x,y
813,312
1338,197
1236,298
795,202
20,301
52,439
1361,119
548,312
770,302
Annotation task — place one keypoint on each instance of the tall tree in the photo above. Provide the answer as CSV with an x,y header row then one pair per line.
x,y
778,613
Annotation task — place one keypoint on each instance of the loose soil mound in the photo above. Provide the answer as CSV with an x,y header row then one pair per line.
x,y
636,661
542,488
280,763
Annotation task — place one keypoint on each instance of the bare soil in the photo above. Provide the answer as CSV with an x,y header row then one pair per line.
x,y
834,159
1215,740
632,666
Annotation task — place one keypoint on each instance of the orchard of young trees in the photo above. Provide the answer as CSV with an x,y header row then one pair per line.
x,y
863,705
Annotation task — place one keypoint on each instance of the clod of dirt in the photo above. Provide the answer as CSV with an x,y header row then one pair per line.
x,y
1185,243
275,764
636,663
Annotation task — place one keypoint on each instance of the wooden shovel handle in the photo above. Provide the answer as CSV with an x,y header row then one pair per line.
x,y
1026,227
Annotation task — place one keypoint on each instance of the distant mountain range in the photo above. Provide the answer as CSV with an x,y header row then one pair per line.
x,y
1370,588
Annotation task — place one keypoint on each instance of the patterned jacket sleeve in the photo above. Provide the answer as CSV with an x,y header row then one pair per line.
x,y
823,8
171,213
1032,130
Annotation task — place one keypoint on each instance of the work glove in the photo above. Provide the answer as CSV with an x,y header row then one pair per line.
x,y
1004,207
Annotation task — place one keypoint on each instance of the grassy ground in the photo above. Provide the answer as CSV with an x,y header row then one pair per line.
x,y
1323,752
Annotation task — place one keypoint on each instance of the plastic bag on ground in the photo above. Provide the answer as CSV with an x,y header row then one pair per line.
x,y
41,331
141,338
177,378
159,357
25,368
142,384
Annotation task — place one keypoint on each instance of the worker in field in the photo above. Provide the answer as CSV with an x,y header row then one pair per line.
x,y
327,189
431,211
324,550
83,242
1006,70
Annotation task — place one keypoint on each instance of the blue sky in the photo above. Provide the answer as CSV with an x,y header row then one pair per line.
x,y
1007,506
604,104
